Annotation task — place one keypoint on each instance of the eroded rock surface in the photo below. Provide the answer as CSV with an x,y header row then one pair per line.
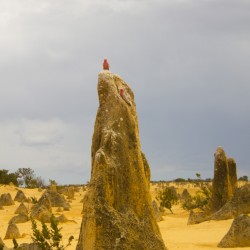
x,y
117,210
20,196
12,232
6,200
224,202
221,191
232,172
239,204
239,233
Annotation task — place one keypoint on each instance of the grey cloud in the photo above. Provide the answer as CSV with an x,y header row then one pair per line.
x,y
187,62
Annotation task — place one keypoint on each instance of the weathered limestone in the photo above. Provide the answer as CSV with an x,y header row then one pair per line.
x,y
197,217
221,191
239,204
224,192
158,214
117,210
185,195
20,196
232,171
22,209
12,232
56,199
42,210
6,200
20,218
239,233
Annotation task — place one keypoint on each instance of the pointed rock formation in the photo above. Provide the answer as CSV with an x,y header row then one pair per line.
x,y
158,214
22,209
239,233
232,171
42,210
239,204
224,191
221,191
20,196
6,200
12,232
117,210
20,218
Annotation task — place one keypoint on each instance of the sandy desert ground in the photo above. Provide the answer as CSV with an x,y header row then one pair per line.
x,y
175,231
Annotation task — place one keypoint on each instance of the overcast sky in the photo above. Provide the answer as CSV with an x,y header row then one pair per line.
x,y
187,61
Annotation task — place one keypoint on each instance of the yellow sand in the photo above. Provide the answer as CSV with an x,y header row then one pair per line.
x,y
174,229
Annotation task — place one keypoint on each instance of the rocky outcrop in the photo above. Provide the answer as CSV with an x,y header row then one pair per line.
x,y
117,210
232,172
20,196
158,214
22,209
239,233
42,210
197,217
55,199
239,204
185,195
12,232
20,218
6,200
221,191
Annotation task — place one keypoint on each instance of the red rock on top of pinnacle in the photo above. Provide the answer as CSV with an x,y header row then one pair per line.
x,y
105,64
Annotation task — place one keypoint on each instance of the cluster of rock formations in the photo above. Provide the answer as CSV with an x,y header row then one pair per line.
x,y
117,209
227,202
224,191
40,210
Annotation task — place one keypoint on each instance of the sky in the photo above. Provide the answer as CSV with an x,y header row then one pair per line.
x,y
187,62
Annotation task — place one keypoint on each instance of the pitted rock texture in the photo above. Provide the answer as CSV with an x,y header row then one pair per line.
x,y
22,209
12,232
239,233
117,210
222,204
232,172
221,192
6,200
239,204
20,196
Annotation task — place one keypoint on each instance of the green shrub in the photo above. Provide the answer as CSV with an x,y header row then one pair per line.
x,y
167,197
33,200
201,198
49,239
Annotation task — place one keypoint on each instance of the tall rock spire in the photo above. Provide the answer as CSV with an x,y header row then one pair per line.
x,y
117,210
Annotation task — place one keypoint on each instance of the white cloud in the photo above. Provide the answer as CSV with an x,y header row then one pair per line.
x,y
41,133
55,149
